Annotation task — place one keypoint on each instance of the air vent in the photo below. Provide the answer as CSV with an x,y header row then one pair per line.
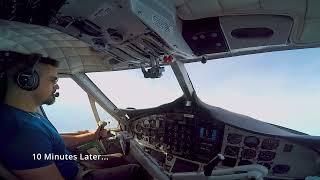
x,y
248,33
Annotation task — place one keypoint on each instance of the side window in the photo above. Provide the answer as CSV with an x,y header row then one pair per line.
x,y
72,111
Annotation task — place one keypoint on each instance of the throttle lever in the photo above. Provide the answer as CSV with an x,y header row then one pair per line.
x,y
212,164
102,123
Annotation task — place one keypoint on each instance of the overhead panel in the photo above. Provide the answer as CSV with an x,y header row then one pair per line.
x,y
204,36
132,31
304,13
161,17
193,9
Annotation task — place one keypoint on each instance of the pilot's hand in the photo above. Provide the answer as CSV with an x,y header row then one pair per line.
x,y
102,133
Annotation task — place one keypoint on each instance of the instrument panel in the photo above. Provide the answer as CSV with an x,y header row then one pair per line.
x,y
182,142
180,134
282,158
241,149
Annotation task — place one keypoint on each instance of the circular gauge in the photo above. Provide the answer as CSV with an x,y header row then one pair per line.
x,y
146,124
248,153
138,128
234,138
270,144
153,124
251,141
266,155
232,151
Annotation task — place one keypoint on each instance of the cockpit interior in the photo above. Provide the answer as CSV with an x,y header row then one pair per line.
x,y
187,138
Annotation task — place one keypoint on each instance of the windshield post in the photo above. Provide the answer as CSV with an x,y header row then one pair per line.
x,y
88,86
183,78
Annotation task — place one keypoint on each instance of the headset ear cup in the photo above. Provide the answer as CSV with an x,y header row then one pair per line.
x,y
36,80
28,81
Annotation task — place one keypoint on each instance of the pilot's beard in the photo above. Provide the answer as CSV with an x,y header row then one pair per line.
x,y
50,100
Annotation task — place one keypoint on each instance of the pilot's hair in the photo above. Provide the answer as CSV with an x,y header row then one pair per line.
x,y
10,60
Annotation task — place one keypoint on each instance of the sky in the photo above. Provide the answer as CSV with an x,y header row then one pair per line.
x,y
281,88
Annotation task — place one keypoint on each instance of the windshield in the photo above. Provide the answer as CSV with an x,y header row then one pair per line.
x,y
281,88
130,89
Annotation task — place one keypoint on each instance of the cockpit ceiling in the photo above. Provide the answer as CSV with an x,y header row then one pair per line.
x,y
116,35
74,55
305,13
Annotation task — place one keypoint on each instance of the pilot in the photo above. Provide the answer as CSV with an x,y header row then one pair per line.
x,y
27,82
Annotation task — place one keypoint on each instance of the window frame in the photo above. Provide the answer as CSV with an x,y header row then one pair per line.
x,y
92,100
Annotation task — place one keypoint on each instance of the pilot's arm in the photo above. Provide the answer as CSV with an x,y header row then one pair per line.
x,y
72,141
20,156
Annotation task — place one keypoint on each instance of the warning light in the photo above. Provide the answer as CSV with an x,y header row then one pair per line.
x,y
167,59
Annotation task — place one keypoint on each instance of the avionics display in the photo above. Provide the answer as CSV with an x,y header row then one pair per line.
x,y
208,134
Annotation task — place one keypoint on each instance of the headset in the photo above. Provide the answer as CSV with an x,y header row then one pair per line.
x,y
28,78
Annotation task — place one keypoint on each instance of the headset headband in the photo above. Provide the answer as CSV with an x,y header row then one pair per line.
x,y
33,59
